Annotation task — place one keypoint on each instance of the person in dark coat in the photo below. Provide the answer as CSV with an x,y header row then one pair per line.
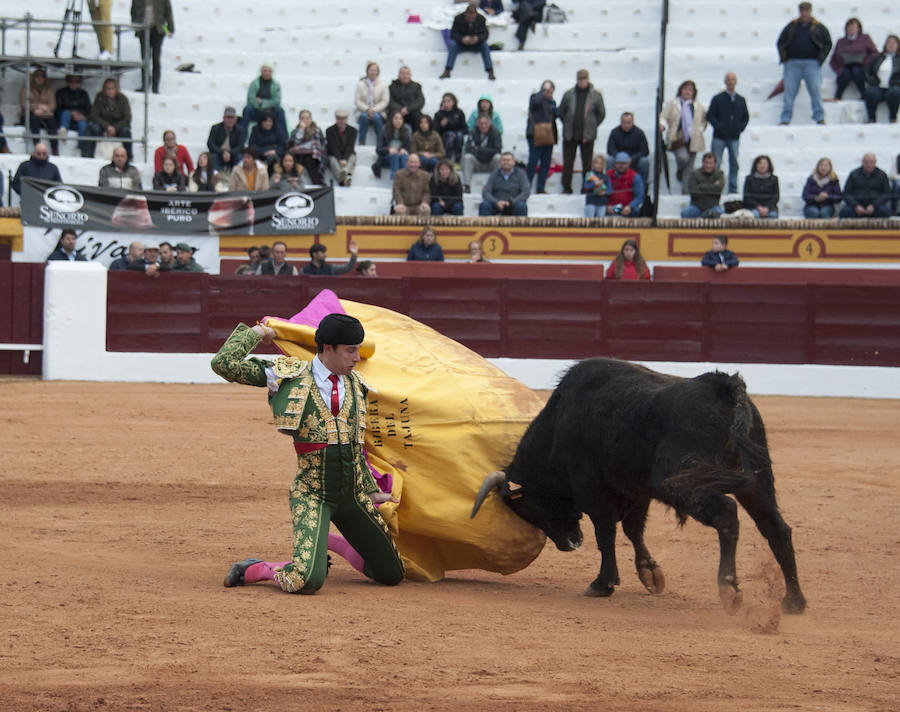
x,y
226,141
446,190
65,249
469,33
110,117
632,140
527,14
803,45
822,192
318,254
38,166
450,123
73,108
268,142
719,257
761,192
867,192
581,111
340,148
426,248
729,116
541,109
883,76
851,55
506,190
157,14
407,98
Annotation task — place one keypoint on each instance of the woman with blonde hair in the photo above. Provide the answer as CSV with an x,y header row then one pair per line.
x,y
822,191
372,99
628,265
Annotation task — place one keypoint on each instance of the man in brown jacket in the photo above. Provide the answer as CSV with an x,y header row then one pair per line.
x,y
411,193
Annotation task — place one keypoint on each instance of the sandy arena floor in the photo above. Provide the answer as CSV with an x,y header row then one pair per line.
x,y
123,506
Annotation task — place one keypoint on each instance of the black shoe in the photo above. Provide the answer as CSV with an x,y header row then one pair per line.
x,y
491,75
235,575
446,74
821,122
466,189
376,169
141,89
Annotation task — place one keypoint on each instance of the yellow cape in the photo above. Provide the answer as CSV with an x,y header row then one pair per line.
x,y
442,418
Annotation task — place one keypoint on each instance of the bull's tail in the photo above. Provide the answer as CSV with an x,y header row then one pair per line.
x,y
701,476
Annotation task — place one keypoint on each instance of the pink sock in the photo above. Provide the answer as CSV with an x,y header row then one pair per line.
x,y
339,545
263,571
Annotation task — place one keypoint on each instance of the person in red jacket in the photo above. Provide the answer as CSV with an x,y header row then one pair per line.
x,y
179,153
628,264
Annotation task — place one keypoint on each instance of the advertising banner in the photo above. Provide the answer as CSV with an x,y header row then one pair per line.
x,y
160,213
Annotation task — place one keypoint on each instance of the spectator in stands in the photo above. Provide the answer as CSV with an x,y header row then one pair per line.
x,y
491,7
822,191
596,189
482,151
247,175
184,259
367,268
426,248
157,14
883,75
318,264
450,123
632,140
372,99
278,264
542,110
252,264
469,33
445,188
167,259
761,192
628,265
684,121
705,186
426,143
476,253
895,186
719,258
42,107
268,142
729,116
100,12
340,147
850,57
626,189
205,178
135,254
581,111
307,144
410,191
65,249
120,173
527,13
264,94
286,176
485,107
38,166
226,141
172,148
169,178
406,97
393,146
867,192
4,147
506,191
803,45
110,117
149,262
73,107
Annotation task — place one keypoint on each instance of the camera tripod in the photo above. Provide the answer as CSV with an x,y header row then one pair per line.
x,y
72,17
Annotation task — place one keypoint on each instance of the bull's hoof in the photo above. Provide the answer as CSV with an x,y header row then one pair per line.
x,y
793,604
732,598
599,590
654,579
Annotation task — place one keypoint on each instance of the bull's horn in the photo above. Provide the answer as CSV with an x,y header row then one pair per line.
x,y
492,481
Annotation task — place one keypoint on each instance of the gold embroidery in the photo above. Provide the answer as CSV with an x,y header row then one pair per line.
x,y
359,377
289,580
289,366
287,422
295,406
299,392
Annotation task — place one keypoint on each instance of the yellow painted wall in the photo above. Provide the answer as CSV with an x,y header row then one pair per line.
x,y
11,233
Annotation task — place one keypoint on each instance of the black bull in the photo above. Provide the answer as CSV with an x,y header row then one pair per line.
x,y
614,435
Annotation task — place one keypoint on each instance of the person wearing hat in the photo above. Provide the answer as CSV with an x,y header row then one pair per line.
x,y
340,148
626,188
582,111
226,141
321,404
184,259
149,263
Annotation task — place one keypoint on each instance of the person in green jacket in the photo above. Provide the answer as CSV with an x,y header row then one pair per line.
x,y
184,259
264,94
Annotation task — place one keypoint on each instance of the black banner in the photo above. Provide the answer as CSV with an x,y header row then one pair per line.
x,y
82,207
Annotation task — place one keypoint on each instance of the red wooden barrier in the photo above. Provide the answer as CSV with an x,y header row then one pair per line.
x,y
775,275
21,315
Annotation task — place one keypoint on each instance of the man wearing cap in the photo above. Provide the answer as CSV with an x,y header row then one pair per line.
x,y
626,188
226,141
149,263
340,148
184,259
318,256
321,404
581,111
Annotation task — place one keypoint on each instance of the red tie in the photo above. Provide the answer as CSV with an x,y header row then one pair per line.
x,y
335,402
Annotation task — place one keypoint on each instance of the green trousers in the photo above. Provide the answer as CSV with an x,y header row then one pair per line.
x,y
336,495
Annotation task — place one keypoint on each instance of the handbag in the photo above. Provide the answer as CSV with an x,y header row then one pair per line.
x,y
678,141
543,133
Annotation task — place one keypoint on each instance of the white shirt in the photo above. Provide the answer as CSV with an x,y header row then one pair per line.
x,y
321,374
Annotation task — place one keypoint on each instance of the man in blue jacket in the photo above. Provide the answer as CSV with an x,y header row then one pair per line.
x,y
506,191
728,115
38,166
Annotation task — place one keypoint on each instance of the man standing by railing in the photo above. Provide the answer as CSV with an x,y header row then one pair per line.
x,y
157,14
